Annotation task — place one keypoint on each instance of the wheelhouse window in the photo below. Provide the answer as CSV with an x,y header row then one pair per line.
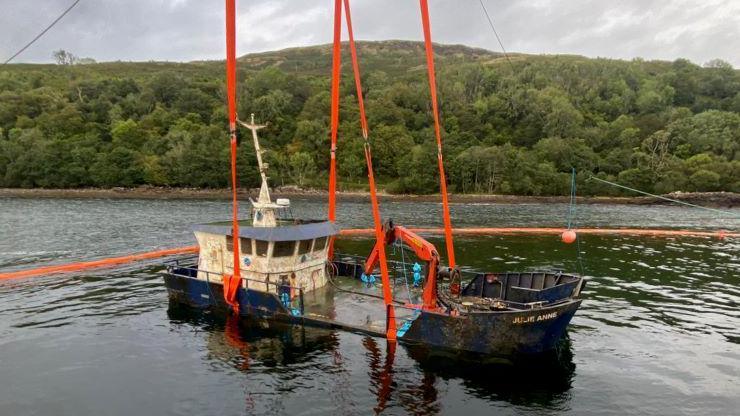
x,y
229,243
304,246
245,245
283,249
261,247
319,244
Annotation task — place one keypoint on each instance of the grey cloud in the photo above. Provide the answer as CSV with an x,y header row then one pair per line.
x,y
183,30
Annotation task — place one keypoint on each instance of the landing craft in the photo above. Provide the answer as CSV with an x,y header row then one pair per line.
x,y
276,267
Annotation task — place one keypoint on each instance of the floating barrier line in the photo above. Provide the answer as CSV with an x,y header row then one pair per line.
x,y
557,231
113,261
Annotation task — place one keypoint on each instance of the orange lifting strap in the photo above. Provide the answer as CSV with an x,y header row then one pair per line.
x,y
387,294
335,75
232,283
437,128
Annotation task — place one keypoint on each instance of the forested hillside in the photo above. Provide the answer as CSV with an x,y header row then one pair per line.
x,y
512,127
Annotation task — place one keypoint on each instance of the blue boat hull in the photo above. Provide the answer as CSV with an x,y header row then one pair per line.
x,y
499,333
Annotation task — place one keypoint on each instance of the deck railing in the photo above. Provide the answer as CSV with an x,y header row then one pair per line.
x,y
175,267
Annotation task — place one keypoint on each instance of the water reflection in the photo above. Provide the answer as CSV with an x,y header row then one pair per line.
x,y
658,331
398,377
239,341
536,380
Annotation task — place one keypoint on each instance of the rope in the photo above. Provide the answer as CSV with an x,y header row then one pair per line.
x,y
572,205
506,54
405,277
64,13
730,213
573,219
490,22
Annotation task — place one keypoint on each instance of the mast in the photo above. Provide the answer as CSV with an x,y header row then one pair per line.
x,y
264,189
263,209
258,150
435,111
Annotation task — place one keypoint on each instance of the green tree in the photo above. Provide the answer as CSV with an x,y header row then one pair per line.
x,y
119,167
301,167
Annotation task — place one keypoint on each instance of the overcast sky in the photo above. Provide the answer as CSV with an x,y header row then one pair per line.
x,y
184,30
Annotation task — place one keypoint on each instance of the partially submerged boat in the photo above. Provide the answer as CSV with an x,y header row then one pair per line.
x,y
295,282
281,268
288,275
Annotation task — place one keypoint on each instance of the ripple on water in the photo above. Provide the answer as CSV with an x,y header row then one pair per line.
x,y
657,333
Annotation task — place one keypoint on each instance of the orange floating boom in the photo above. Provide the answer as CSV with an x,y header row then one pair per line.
x,y
113,261
95,264
557,231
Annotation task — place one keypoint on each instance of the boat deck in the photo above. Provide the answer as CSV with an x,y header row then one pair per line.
x,y
351,304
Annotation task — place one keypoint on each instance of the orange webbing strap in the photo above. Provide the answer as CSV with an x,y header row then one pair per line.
x,y
387,294
435,112
231,282
356,70
335,76
379,237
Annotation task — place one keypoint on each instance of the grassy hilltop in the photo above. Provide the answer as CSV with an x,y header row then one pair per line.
x,y
513,126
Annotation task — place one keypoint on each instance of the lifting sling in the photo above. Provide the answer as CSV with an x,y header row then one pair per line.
x,y
378,228
435,112
232,282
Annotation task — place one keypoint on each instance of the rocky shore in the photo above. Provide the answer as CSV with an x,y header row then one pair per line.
x,y
712,199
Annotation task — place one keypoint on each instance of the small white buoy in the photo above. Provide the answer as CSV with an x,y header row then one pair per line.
x,y
283,201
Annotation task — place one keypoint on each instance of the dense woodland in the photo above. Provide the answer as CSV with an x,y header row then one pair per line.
x,y
513,126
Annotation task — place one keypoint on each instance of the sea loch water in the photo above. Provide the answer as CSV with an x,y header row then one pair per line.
x,y
658,331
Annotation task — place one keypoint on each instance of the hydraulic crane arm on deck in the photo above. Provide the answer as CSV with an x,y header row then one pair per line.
x,y
423,249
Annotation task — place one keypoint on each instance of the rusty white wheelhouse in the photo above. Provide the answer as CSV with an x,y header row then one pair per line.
x,y
278,253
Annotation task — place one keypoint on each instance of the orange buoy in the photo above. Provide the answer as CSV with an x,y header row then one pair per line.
x,y
568,236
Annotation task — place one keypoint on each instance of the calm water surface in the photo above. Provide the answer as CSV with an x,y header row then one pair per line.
x,y
658,332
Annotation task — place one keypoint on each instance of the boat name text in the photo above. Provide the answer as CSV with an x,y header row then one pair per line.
x,y
535,318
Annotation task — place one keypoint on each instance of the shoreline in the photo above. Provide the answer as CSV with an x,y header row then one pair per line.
x,y
710,199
